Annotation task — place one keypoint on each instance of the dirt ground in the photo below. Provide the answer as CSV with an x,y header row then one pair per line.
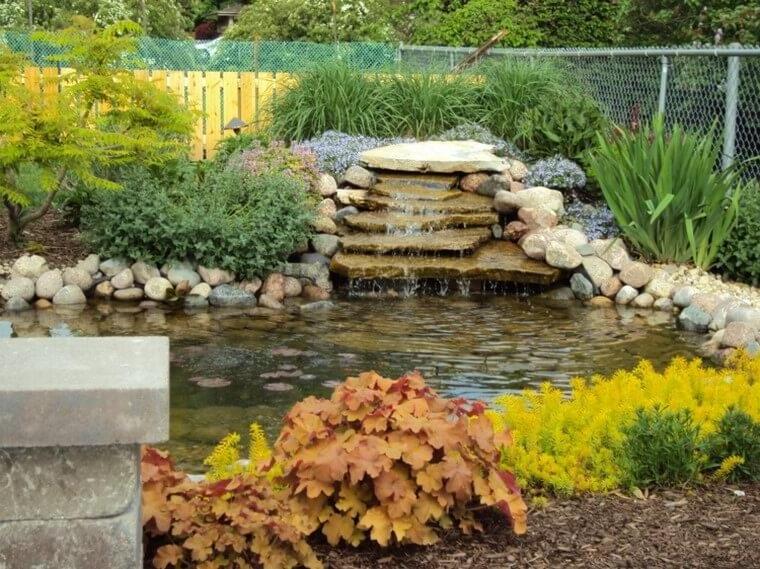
x,y
710,527
50,237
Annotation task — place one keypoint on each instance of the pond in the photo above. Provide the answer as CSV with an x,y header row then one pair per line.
x,y
230,368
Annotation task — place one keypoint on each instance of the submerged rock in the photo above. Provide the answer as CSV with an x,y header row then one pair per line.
x,y
231,296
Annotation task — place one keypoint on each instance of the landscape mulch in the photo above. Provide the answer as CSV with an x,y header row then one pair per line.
x,y
703,527
50,236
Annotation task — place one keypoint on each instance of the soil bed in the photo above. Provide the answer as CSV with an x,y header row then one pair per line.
x,y
697,528
49,236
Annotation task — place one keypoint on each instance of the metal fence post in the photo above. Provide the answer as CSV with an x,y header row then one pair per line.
x,y
663,84
732,103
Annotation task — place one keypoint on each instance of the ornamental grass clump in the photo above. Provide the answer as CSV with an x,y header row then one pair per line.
x,y
393,461
668,196
572,444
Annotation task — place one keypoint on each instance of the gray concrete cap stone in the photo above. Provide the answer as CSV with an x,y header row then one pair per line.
x,y
83,391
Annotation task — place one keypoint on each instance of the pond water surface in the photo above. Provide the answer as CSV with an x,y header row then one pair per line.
x,y
230,368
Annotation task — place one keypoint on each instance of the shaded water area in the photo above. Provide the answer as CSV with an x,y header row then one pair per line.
x,y
230,367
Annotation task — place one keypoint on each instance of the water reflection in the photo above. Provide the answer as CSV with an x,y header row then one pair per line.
x,y
231,367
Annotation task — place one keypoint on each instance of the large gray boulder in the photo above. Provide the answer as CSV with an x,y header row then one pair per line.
x,y
636,274
325,244
231,296
177,274
123,279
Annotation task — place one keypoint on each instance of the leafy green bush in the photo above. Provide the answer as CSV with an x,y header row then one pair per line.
x,y
737,443
472,23
258,160
233,220
666,194
661,448
567,125
739,256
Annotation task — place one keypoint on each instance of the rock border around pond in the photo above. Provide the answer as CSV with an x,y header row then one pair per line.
x,y
33,284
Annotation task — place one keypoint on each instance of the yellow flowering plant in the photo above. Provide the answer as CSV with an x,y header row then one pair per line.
x,y
569,444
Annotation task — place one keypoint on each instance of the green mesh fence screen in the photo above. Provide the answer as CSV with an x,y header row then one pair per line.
x,y
265,56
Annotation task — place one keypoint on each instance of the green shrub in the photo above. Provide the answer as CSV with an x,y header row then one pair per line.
x,y
661,448
232,219
232,145
567,125
332,96
666,194
737,436
739,256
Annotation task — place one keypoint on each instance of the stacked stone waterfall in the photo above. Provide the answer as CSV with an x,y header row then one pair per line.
x,y
415,217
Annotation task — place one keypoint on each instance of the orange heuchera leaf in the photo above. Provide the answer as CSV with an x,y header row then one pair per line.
x,y
338,527
376,519
167,555
368,459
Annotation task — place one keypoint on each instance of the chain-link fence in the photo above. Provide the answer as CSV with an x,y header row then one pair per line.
x,y
699,88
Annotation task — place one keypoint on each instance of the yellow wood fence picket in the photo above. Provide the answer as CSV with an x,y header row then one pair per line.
x,y
218,96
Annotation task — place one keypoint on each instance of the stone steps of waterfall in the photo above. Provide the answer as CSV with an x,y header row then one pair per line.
x,y
495,261
390,221
464,203
448,241
414,192
432,181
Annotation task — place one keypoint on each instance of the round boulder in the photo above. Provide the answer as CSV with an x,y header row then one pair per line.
x,y
215,277
104,289
133,293
326,208
18,287
202,290
626,294
323,224
636,274
610,287
325,244
91,263
471,182
326,186
612,251
274,286
143,272
517,170
582,287
29,266
77,276
123,279
562,256
158,288
292,287
111,267
69,295
538,197
359,177
644,300
48,283
597,271
177,274
537,218
694,319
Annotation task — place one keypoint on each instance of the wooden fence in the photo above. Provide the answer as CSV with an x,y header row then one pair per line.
x,y
219,96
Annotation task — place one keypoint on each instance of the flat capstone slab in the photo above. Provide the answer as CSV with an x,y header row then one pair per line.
x,y
435,156
83,391
55,483
101,543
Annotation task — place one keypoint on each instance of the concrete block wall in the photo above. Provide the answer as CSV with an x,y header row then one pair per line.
x,y
73,414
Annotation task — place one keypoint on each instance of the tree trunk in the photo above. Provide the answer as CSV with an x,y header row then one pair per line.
x,y
15,225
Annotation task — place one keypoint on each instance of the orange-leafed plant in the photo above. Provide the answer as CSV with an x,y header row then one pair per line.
x,y
236,523
392,458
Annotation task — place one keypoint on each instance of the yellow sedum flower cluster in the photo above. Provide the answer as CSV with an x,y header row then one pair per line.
x,y
567,444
